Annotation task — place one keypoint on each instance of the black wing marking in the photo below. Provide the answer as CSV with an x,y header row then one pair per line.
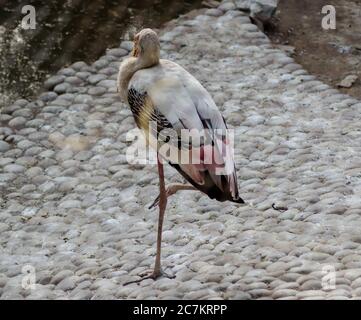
x,y
137,102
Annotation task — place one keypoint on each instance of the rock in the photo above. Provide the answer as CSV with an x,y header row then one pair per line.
x,y
348,81
66,284
117,52
5,117
36,123
108,84
94,79
68,72
240,296
210,3
25,144
70,204
97,91
53,81
264,8
79,65
82,295
214,12
14,168
226,6
3,227
21,102
284,293
311,285
110,71
75,81
4,146
33,151
17,122
84,98
83,75
100,64
127,45
261,11
29,212
34,171
47,187
25,113
60,276
48,96
62,87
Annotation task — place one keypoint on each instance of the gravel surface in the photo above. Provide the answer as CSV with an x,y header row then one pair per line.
x,y
73,211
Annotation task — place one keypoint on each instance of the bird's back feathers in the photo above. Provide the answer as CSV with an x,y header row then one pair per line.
x,y
173,99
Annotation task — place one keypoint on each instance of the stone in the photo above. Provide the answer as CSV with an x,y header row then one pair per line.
x,y
226,6
53,81
60,276
62,88
66,284
25,113
83,98
94,79
79,65
75,81
117,52
14,168
17,122
83,75
82,295
96,91
68,72
348,81
4,146
214,12
108,84
127,45
100,64
68,204
263,9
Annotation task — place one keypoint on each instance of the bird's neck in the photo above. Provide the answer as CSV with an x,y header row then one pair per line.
x,y
129,67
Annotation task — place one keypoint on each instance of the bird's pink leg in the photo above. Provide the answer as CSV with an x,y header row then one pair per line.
x,y
172,189
162,206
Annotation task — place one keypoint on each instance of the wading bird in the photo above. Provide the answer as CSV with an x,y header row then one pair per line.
x,y
162,92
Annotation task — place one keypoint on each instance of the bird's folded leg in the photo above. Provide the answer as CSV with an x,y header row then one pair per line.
x,y
172,189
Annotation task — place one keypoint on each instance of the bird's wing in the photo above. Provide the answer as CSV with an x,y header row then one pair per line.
x,y
174,99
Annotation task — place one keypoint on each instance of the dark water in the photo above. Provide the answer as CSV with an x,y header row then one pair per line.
x,y
69,31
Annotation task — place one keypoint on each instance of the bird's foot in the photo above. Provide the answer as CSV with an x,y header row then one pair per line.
x,y
155,203
151,274
168,192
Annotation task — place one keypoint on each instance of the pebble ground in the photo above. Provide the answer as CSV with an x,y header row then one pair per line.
x,y
74,211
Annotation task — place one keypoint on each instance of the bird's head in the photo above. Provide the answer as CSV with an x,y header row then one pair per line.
x,y
146,43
